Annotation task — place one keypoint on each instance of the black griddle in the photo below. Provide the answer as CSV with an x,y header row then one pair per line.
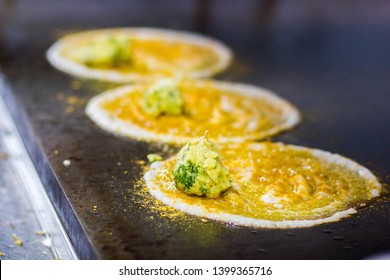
x,y
335,70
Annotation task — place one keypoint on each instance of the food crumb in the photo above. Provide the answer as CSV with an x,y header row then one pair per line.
x,y
76,85
153,157
17,240
69,109
125,172
3,155
66,162
56,152
1,254
71,100
40,233
94,207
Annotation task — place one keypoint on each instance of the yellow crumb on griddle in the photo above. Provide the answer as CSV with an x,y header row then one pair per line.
x,y
18,241
76,85
4,155
69,109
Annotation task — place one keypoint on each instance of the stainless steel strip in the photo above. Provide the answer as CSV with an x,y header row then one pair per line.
x,y
25,178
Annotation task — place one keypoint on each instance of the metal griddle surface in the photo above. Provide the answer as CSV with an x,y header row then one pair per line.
x,y
336,71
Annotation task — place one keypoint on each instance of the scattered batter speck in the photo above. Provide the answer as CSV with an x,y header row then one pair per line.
x,y
18,241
